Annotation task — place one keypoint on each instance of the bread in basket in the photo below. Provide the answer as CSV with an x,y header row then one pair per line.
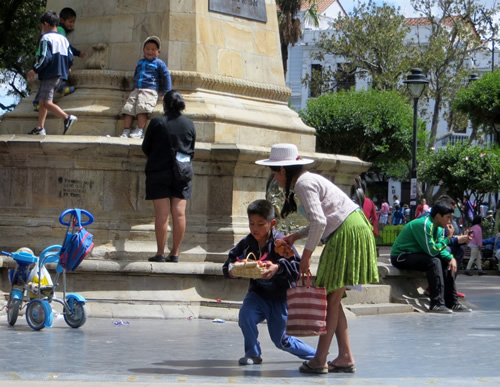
x,y
250,267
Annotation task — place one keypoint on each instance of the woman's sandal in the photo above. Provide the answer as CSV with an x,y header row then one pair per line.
x,y
307,369
341,369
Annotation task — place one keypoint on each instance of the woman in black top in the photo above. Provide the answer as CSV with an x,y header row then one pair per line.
x,y
169,136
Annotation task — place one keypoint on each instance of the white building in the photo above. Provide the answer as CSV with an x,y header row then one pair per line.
x,y
301,64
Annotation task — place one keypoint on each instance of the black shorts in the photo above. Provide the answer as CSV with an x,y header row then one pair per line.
x,y
162,184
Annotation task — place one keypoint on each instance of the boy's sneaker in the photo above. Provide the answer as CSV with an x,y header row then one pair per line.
x,y
67,90
248,360
40,131
36,107
137,133
440,309
68,122
125,134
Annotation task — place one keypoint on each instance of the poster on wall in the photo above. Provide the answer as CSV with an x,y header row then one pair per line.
x,y
247,9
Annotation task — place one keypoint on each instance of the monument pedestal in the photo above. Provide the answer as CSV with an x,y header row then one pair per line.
x,y
227,64
44,175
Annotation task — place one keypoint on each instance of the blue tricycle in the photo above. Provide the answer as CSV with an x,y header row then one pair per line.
x,y
32,287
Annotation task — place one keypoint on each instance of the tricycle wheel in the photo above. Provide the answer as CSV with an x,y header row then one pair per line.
x,y
39,314
75,314
13,306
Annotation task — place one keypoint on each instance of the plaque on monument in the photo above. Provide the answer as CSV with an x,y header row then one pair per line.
x,y
248,9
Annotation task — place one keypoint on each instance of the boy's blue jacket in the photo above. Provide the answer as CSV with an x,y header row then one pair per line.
x,y
54,58
152,74
285,277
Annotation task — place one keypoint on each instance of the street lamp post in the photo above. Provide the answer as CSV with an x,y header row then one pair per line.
x,y
415,83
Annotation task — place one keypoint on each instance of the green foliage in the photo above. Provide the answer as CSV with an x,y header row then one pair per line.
x,y
376,126
371,39
481,100
451,43
20,31
463,168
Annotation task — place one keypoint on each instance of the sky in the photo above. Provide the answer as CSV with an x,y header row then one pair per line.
x,y
405,5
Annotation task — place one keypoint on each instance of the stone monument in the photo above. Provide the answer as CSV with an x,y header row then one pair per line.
x,y
224,57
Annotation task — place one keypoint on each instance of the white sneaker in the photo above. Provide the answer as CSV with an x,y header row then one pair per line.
x,y
125,134
137,133
68,122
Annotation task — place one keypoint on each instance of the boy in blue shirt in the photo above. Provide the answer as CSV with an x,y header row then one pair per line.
x,y
54,59
266,297
151,80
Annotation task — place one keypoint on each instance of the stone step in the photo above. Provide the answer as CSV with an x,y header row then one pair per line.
x,y
126,289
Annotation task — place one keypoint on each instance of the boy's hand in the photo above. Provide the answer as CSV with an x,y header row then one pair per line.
x,y
449,231
83,55
272,269
31,75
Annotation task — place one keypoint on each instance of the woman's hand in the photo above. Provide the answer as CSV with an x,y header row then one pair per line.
x,y
290,239
283,249
305,262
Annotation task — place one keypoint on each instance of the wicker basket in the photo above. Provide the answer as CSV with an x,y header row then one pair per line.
x,y
248,268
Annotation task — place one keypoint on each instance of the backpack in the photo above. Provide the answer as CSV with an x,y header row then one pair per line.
x,y
76,244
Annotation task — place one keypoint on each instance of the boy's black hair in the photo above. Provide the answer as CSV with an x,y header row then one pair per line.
x,y
67,13
442,208
50,17
263,208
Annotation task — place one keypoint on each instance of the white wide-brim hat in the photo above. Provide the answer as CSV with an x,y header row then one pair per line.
x,y
283,155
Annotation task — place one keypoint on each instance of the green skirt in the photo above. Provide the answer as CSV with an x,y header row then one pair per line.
x,y
349,257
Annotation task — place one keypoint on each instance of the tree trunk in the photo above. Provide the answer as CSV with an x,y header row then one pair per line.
x,y
435,118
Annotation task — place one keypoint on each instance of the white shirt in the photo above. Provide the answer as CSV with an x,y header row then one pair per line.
x,y
325,205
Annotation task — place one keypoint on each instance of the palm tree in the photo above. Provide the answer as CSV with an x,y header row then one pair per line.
x,y
289,25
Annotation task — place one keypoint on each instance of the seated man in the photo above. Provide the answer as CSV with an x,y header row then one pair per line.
x,y
495,245
421,246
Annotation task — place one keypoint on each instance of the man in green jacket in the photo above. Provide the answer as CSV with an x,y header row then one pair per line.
x,y
421,246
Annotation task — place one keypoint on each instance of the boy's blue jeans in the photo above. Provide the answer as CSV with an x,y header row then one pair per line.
x,y
255,310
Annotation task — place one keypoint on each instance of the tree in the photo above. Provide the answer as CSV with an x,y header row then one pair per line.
x,y
374,125
290,28
454,28
20,32
463,169
371,40
481,101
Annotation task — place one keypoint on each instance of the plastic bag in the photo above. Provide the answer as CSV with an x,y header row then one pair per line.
x,y
46,279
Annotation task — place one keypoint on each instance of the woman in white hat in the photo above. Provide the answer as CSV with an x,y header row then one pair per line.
x,y
349,257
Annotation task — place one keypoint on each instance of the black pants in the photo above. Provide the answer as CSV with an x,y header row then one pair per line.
x,y
441,281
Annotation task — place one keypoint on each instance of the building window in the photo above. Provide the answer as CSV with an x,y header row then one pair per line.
x,y
316,80
344,77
